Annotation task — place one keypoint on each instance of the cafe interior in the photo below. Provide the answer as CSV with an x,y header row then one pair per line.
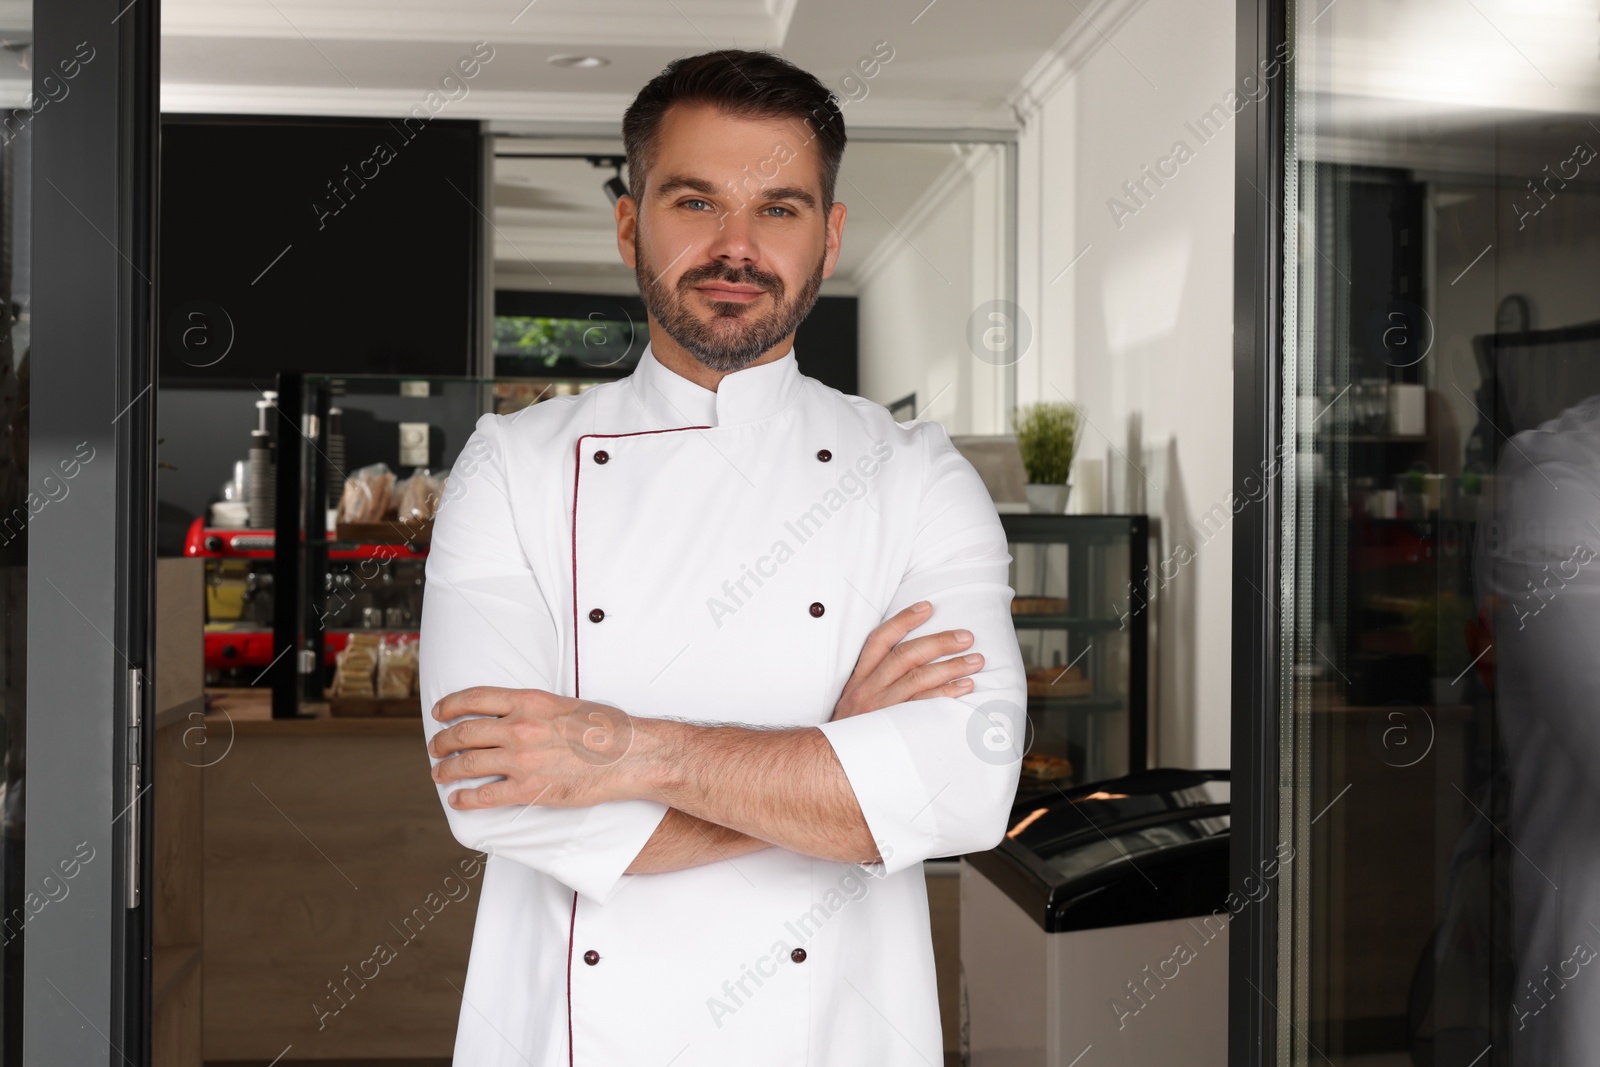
x,y
379,221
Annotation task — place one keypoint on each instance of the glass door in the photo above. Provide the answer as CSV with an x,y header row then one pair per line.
x,y
76,207
1428,403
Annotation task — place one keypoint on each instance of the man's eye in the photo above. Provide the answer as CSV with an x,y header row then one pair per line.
x,y
779,207
696,200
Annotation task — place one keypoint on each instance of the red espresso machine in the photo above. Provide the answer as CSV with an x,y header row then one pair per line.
x,y
371,588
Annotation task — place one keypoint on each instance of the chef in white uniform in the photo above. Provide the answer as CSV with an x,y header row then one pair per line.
x,y
644,610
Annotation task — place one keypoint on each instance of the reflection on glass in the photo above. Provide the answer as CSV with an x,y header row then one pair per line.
x,y
16,139
1442,384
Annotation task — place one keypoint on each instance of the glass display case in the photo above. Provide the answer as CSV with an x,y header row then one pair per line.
x,y
355,492
1081,612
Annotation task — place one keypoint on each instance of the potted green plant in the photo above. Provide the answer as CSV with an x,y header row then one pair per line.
x,y
1047,436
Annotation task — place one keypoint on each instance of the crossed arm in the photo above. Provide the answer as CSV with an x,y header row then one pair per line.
x,y
730,790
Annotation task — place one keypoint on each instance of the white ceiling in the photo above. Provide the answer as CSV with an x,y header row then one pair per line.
x,y
641,22
954,63
951,65
1446,85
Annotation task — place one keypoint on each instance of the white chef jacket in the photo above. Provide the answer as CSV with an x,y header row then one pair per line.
x,y
718,557
1539,554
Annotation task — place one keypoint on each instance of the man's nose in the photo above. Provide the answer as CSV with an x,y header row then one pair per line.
x,y
735,240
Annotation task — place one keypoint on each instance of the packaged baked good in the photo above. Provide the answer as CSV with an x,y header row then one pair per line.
x,y
356,666
397,666
368,495
418,496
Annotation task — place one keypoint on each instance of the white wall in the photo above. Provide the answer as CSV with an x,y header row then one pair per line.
x,y
1140,329
921,285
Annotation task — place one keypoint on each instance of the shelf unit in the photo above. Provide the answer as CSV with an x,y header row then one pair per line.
x,y
1098,566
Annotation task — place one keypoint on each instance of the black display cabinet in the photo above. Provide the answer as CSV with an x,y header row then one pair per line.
x,y
1081,609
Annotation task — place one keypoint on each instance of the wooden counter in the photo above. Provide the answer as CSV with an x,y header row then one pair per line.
x,y
176,872
250,712
324,838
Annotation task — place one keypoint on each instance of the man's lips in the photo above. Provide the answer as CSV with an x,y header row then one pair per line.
x,y
730,292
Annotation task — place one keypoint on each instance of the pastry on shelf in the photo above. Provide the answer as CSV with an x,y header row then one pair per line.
x,y
1057,682
1043,767
1038,605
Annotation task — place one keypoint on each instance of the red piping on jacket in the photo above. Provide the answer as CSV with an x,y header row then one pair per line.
x,y
570,930
577,469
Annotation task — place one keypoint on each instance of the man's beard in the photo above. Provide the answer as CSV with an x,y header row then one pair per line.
x,y
734,338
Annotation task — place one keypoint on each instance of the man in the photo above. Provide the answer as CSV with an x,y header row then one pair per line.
x,y
656,665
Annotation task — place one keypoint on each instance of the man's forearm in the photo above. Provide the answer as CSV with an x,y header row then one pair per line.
x,y
785,787
683,841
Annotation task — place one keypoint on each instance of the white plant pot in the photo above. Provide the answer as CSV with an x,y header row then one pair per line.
x,y
1048,499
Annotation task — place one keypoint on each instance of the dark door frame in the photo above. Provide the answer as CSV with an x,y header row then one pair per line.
x,y
1253,1000
90,554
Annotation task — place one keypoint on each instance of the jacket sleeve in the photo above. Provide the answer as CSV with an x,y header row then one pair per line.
x,y
486,621
937,777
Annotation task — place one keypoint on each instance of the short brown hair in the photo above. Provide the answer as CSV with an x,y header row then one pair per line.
x,y
744,83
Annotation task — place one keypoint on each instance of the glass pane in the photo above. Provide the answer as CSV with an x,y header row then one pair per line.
x,y
16,139
1442,366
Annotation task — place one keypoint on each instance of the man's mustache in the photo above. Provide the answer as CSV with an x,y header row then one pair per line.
x,y
743,275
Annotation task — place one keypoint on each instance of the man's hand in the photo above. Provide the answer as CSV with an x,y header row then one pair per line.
x,y
891,671
553,750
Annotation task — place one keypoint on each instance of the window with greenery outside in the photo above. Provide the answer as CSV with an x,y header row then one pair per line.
x,y
527,345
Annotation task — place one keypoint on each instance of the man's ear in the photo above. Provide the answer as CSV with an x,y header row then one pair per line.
x,y
834,239
626,212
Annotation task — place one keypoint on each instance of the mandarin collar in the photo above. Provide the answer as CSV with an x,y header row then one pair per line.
x,y
741,396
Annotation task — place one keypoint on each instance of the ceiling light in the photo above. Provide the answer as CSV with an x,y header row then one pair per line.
x,y
584,62
615,187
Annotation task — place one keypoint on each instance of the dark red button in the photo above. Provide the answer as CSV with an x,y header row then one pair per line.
x,y
591,957
817,610
798,955
824,455
602,456
596,615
